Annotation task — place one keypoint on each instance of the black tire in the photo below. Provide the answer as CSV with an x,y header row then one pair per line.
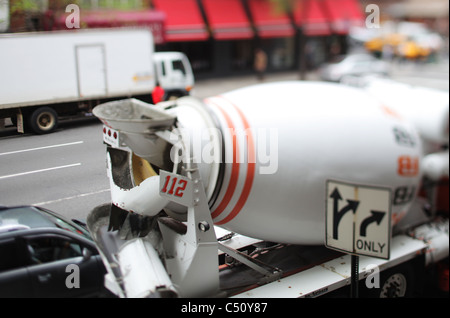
x,y
43,120
397,282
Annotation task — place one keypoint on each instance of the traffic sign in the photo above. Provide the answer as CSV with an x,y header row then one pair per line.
x,y
358,219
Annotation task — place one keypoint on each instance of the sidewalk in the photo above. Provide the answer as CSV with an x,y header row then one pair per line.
x,y
211,87
433,75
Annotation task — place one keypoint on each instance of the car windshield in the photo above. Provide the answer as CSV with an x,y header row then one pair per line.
x,y
34,217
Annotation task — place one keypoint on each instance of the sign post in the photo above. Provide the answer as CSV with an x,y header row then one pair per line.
x,y
354,276
358,222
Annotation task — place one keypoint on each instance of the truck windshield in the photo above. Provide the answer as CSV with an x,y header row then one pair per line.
x,y
178,65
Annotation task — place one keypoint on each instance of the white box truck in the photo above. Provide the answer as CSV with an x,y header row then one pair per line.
x,y
47,75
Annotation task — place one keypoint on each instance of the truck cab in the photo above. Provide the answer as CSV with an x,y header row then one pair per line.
x,y
174,73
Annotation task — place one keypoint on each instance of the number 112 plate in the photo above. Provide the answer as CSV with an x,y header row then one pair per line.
x,y
176,188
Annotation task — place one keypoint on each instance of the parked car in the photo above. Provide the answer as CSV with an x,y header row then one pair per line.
x,y
353,65
42,254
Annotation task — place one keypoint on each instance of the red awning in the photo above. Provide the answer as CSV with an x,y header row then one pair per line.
x,y
184,21
343,14
310,16
152,19
227,19
270,22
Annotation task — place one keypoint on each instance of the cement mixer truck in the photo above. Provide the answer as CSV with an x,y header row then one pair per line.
x,y
247,194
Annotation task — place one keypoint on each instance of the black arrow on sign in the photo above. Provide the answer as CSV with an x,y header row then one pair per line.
x,y
352,205
376,216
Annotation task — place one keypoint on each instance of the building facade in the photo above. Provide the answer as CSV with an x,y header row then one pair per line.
x,y
220,37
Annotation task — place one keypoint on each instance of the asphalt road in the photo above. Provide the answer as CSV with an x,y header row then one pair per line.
x,y
65,171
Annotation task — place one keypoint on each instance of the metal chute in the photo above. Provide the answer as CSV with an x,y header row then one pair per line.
x,y
135,223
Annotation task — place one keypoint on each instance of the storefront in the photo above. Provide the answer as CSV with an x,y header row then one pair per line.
x,y
221,37
186,31
151,19
275,34
232,36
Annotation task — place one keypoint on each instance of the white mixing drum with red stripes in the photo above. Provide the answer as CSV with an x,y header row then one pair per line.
x,y
270,148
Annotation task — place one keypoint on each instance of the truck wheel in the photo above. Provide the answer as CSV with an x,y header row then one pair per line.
x,y
394,286
396,282
43,120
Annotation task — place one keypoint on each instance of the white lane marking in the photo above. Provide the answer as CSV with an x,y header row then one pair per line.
x,y
72,197
40,148
40,170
